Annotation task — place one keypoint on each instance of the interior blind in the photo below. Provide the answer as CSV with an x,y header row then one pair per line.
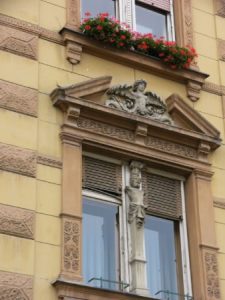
x,y
162,195
102,176
161,4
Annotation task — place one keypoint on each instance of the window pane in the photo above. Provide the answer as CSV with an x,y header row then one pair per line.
x,y
98,6
100,247
160,256
149,21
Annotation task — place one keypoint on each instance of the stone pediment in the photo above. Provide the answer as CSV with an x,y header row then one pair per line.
x,y
186,117
136,119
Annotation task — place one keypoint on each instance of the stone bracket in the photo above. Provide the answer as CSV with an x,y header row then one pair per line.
x,y
193,90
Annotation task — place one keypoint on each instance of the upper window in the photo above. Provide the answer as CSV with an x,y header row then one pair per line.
x,y
144,16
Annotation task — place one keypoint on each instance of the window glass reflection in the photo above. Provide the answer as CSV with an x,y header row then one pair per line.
x,y
100,249
161,256
98,6
149,21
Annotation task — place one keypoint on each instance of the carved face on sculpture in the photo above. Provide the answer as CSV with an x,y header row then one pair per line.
x,y
135,178
139,85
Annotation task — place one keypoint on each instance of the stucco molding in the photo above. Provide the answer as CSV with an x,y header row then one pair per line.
x,y
17,160
220,8
17,221
49,161
18,98
15,286
18,42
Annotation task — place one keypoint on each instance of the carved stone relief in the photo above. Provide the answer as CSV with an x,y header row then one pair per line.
x,y
133,99
18,98
49,161
17,221
71,257
18,42
18,160
105,129
221,49
212,278
136,195
188,30
214,88
15,286
171,147
220,7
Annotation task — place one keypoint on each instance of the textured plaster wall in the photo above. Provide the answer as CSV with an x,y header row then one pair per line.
x,y
41,257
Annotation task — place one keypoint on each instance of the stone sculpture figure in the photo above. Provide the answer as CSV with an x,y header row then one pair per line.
x,y
133,99
135,194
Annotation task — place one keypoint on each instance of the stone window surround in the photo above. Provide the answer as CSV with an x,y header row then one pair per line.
x,y
86,128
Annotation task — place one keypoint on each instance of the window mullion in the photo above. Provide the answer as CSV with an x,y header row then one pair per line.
x,y
184,248
129,11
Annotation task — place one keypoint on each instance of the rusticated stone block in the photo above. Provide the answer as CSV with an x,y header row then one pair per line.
x,y
18,42
18,98
15,286
16,221
18,160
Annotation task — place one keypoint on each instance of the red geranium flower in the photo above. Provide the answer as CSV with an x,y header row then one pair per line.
x,y
99,27
87,27
87,14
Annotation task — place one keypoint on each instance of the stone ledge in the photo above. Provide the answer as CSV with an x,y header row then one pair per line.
x,y
68,289
76,43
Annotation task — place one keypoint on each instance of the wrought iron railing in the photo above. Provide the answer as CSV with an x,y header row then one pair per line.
x,y
170,295
121,285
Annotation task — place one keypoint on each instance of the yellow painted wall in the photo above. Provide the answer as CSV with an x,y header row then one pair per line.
x,y
41,257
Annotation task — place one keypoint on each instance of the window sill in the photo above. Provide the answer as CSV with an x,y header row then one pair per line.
x,y
68,289
76,43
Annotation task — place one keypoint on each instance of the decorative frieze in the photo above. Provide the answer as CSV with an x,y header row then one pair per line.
x,y
211,274
219,204
71,245
18,42
170,147
49,161
31,29
18,160
220,8
18,98
105,129
15,286
17,221
221,49
214,88
188,28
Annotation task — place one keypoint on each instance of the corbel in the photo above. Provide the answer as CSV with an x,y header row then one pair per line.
x,y
73,48
193,90
203,151
141,133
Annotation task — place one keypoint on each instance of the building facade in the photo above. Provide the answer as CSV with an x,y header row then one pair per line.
x,y
112,163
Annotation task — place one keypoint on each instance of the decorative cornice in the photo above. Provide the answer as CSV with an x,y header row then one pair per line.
x,y
18,160
49,161
18,98
213,88
220,8
17,221
15,286
18,42
31,28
